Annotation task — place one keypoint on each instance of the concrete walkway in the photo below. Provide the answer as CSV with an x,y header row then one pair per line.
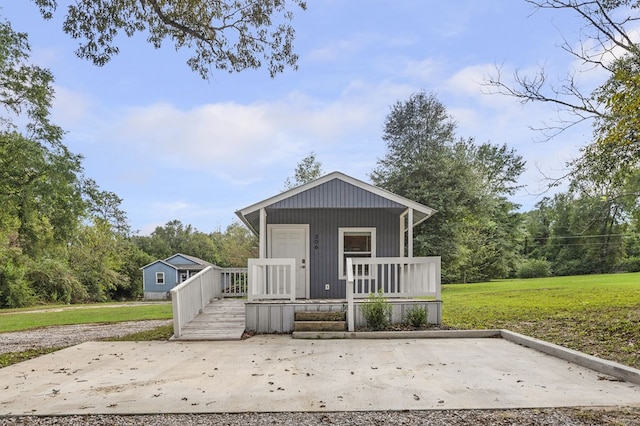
x,y
278,373
221,320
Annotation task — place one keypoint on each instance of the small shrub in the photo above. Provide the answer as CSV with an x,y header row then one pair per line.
x,y
416,316
534,268
376,311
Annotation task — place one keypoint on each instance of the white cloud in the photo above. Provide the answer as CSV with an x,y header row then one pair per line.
x,y
423,71
237,142
71,107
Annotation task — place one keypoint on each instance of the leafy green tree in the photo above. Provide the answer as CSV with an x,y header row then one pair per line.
x,y
41,189
308,169
202,245
581,232
52,281
237,244
106,206
97,260
229,248
14,290
468,183
133,258
169,239
230,35
606,43
61,237
25,90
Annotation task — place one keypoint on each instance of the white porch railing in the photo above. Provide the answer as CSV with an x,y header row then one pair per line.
x,y
234,282
397,277
272,279
190,297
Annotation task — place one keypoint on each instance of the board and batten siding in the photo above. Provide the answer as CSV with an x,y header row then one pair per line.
x,y
323,240
170,277
332,194
335,194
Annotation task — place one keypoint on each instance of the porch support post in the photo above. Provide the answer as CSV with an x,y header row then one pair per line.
x,y
263,234
410,232
403,229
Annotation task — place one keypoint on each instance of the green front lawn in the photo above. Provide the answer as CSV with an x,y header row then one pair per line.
x,y
25,319
595,314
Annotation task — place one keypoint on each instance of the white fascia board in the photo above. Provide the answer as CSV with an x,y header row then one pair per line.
x,y
158,261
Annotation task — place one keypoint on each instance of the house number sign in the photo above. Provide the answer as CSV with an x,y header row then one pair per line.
x,y
316,241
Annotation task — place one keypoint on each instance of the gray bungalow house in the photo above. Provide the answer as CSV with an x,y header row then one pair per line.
x,y
159,277
325,221
325,246
310,234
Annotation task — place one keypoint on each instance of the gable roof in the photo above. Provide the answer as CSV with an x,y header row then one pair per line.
x,y
193,259
158,261
335,190
197,263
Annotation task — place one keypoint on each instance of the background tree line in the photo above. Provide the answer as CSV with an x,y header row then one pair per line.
x,y
480,234
63,239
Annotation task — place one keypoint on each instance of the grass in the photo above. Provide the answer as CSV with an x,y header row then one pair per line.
x,y
50,315
10,358
163,332
595,314
18,320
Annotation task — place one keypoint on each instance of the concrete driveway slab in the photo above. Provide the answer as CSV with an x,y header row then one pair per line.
x,y
277,373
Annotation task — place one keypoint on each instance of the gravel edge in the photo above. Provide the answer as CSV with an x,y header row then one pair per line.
x,y
533,417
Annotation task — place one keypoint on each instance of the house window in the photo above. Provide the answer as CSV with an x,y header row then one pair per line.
x,y
355,242
160,278
184,276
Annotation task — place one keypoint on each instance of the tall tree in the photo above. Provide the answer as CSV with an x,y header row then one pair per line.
x,y
466,182
606,43
42,189
106,206
230,35
26,90
61,237
308,169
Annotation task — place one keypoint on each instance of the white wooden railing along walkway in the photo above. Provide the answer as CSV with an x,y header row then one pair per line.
x,y
190,298
234,282
397,277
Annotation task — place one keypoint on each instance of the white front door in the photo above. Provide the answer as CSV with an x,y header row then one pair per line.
x,y
291,242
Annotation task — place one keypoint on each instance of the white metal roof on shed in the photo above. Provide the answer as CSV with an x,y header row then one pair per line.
x,y
347,193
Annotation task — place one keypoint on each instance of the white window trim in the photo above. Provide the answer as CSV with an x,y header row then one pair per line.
x,y
164,281
341,234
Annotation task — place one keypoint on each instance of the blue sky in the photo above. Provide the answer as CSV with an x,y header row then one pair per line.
x,y
174,146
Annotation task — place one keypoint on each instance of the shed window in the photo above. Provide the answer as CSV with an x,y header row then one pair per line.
x,y
160,278
355,242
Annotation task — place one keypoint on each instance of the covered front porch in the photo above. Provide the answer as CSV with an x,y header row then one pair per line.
x,y
268,289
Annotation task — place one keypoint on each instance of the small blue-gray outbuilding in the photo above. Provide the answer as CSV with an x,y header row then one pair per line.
x,y
159,277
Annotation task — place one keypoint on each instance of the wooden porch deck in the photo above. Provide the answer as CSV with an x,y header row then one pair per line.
x,y
222,319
